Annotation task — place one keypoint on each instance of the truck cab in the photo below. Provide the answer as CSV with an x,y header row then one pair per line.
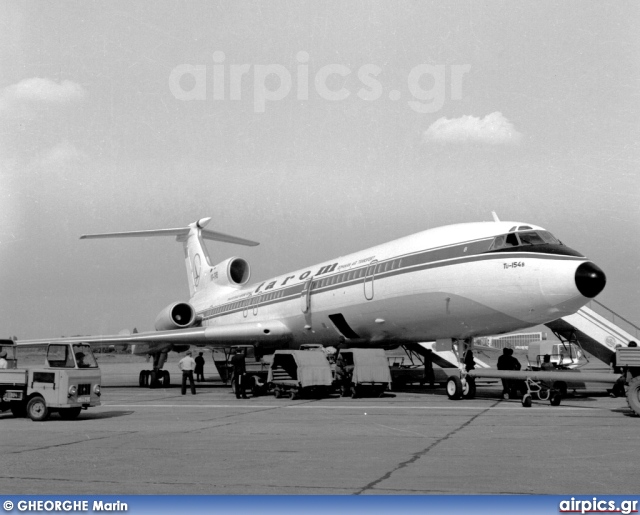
x,y
41,379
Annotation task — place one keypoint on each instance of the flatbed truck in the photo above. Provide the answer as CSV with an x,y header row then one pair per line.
x,y
41,379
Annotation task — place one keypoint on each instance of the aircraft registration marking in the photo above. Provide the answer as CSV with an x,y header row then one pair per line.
x,y
513,264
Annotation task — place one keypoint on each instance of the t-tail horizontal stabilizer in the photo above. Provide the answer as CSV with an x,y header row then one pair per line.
x,y
196,256
181,234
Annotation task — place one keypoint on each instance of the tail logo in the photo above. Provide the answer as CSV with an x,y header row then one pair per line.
x,y
196,269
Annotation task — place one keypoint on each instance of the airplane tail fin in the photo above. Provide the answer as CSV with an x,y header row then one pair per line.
x,y
195,253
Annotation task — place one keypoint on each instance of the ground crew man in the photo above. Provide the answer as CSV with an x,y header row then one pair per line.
x,y
199,367
187,365
239,371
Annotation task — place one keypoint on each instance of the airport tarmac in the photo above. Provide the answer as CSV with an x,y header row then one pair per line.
x,y
417,441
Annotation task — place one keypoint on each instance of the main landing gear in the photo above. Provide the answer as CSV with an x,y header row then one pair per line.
x,y
156,378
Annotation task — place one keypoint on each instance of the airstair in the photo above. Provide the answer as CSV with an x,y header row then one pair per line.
x,y
597,329
444,357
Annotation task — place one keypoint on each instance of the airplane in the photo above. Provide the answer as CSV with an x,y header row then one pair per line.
x,y
447,284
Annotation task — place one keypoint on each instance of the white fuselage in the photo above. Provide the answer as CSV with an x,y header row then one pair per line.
x,y
440,283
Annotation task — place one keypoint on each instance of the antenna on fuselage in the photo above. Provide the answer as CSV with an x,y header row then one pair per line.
x,y
495,216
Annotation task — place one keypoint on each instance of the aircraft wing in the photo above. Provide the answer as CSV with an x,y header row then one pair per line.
x,y
216,336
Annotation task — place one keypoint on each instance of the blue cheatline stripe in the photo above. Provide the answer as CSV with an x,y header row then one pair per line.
x,y
326,504
462,253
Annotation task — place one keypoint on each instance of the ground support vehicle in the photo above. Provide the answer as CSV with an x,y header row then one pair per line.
x,y
629,359
364,372
42,379
298,373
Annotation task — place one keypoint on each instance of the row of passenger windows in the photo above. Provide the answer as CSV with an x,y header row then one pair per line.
x,y
327,281
357,274
246,303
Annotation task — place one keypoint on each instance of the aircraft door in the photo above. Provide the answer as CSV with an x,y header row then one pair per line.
x,y
368,280
305,296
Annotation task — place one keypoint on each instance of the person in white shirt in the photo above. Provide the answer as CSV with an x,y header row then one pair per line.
x,y
3,359
187,365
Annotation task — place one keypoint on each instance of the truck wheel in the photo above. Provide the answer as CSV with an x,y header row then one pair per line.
x,y
556,398
70,413
454,388
37,409
526,401
633,395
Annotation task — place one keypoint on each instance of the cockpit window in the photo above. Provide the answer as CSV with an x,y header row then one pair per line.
x,y
523,238
530,238
549,238
511,240
497,242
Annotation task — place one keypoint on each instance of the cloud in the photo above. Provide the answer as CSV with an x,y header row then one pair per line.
x,y
14,99
493,129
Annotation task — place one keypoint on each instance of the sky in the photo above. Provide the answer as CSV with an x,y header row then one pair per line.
x,y
315,128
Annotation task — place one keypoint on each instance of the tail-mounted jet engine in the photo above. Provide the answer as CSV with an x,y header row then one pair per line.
x,y
233,272
178,315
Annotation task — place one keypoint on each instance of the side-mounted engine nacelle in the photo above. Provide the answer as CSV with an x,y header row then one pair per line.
x,y
178,315
233,272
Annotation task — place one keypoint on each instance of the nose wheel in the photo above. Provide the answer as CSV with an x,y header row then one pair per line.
x,y
459,388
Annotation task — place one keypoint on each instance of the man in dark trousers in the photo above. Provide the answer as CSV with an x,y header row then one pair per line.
x,y
187,364
239,370
199,367
508,362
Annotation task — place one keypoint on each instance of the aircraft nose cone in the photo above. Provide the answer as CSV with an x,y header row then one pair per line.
x,y
590,280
